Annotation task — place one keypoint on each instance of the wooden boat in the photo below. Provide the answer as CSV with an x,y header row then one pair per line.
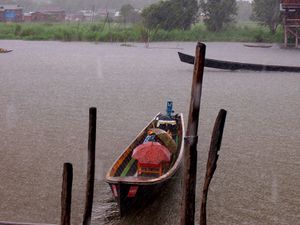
x,y
2,50
134,182
230,65
258,45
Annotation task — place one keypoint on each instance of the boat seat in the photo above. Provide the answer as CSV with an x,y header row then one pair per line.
x,y
150,169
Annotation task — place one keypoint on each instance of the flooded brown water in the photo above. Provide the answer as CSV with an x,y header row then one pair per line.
x,y
46,89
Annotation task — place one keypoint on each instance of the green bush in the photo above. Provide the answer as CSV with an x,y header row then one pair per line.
x,y
18,29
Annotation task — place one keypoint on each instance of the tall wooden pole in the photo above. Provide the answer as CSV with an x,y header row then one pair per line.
x,y
191,140
90,167
66,194
211,165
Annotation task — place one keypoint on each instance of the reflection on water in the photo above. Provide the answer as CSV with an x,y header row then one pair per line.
x,y
106,210
46,89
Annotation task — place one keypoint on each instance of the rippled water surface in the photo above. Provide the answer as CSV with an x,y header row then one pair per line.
x,y
46,89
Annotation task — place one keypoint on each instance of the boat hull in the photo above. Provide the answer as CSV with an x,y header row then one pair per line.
x,y
133,191
228,65
131,198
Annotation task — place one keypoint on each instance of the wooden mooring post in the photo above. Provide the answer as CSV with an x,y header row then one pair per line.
x,y
90,167
66,194
191,140
213,156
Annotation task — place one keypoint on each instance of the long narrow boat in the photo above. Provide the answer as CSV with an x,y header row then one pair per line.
x,y
133,179
258,45
230,65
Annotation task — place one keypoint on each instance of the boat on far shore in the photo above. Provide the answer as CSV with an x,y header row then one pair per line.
x,y
258,45
2,50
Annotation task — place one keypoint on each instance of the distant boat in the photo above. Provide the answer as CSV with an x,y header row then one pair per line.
x,y
230,65
258,45
2,50
148,162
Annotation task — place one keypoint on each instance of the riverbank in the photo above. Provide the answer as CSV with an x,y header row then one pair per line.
x,y
101,32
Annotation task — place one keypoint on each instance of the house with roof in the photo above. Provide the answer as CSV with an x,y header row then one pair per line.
x,y
46,14
11,13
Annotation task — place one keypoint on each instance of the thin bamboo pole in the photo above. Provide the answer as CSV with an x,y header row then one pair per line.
x,y
211,165
66,194
191,140
90,167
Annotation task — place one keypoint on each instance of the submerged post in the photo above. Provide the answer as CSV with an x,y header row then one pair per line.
x,y
90,167
191,140
66,194
211,165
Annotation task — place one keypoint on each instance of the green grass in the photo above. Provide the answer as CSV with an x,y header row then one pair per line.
x,y
242,32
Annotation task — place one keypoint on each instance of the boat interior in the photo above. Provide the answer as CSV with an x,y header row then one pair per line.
x,y
128,166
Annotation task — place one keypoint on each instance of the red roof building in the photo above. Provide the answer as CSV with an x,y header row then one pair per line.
x,y
46,16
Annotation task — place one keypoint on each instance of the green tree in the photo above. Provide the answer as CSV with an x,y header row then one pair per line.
x,y
267,12
217,13
129,14
171,14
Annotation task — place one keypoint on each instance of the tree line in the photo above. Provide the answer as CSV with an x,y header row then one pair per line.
x,y
216,14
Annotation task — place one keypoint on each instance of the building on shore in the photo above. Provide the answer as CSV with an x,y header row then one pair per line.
x,y
291,20
11,13
47,15
92,15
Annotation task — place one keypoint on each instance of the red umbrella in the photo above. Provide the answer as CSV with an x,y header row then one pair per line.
x,y
152,153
